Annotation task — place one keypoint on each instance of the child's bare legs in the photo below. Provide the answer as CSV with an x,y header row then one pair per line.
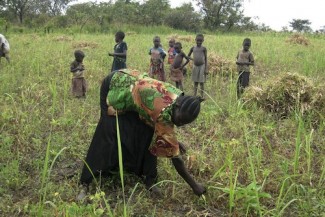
x,y
179,85
202,89
195,87
196,84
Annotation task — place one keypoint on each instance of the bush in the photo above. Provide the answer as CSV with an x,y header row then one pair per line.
x,y
288,93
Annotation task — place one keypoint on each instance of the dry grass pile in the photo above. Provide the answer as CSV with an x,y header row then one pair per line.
x,y
131,33
218,65
287,94
181,38
62,38
298,39
85,44
186,38
221,66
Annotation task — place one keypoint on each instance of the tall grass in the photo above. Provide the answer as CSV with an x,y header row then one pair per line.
x,y
252,163
120,163
44,180
300,130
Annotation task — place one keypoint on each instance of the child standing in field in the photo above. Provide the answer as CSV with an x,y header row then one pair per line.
x,y
4,48
244,60
176,69
120,50
200,69
79,85
158,55
171,51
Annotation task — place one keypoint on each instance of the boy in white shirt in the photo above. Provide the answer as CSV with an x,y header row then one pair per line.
x,y
4,48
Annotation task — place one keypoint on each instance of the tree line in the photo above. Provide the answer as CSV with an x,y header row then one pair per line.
x,y
224,15
220,15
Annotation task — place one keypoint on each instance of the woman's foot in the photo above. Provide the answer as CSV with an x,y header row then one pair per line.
x,y
83,193
155,192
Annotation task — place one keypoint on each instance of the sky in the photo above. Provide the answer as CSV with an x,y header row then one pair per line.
x,y
278,13
275,13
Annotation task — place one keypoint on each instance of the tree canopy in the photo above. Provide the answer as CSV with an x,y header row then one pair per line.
x,y
300,25
20,9
220,15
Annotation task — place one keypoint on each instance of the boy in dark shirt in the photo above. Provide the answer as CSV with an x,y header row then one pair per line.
x,y
244,60
120,50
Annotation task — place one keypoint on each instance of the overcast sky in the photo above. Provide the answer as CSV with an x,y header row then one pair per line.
x,y
278,13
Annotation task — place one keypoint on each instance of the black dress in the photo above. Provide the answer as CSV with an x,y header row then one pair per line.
x,y
135,135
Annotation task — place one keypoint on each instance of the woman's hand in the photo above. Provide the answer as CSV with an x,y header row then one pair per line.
x,y
199,189
111,111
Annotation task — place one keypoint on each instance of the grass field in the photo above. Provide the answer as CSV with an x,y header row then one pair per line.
x,y
252,163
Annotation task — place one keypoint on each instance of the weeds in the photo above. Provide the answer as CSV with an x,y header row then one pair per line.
x,y
120,162
253,163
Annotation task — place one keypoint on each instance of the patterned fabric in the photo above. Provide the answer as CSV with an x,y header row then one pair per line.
x,y
176,74
152,99
157,64
244,56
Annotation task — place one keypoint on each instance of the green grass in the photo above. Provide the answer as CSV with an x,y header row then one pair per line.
x,y
252,163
